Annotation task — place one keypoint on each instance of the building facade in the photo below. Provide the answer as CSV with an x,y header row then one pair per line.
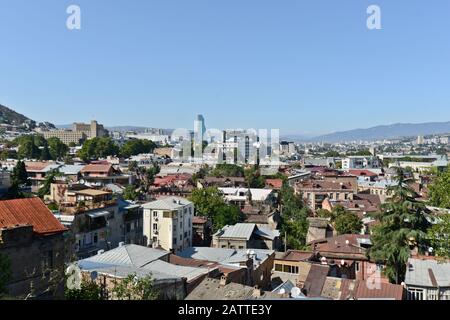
x,y
168,223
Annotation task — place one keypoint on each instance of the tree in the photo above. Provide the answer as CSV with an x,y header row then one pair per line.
x,y
439,190
136,146
45,154
49,179
58,150
135,288
98,148
209,202
402,226
253,178
439,236
348,223
19,175
89,290
28,149
5,274
332,154
294,223
130,193
227,170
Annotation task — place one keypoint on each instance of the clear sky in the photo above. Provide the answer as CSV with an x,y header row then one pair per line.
x,y
304,66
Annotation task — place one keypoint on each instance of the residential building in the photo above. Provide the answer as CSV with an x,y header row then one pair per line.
x,y
172,281
91,130
168,223
427,279
201,231
247,236
314,192
66,136
257,263
34,242
360,162
241,196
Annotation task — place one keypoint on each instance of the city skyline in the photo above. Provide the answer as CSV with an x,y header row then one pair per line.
x,y
242,65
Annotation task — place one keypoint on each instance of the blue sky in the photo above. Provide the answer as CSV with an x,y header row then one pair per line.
x,y
307,66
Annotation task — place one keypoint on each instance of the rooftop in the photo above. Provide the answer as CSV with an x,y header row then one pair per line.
x,y
427,273
168,203
30,211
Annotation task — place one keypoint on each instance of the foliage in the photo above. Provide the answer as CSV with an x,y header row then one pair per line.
x,y
253,178
29,147
135,288
89,290
332,154
403,223
130,193
348,223
58,150
98,148
8,154
439,237
294,224
227,170
5,273
209,202
439,190
49,179
19,174
136,146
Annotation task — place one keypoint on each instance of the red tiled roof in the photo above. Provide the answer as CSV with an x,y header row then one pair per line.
x,y
275,183
97,168
35,165
31,211
366,173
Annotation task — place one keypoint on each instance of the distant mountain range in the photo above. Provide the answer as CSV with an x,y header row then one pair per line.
x,y
392,131
11,117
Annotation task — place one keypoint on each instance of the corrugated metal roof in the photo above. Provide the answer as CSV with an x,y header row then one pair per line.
x,y
418,273
30,211
169,203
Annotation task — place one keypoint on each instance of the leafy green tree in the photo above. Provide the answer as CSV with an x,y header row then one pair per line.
x,y
348,223
58,150
98,148
5,274
8,154
49,179
45,154
294,223
253,178
439,190
89,290
209,202
136,146
28,149
227,170
130,193
402,226
19,175
439,237
332,154
135,288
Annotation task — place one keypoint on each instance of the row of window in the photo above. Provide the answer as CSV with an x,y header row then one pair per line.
x,y
286,268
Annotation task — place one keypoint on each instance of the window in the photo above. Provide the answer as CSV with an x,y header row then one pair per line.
x,y
155,227
357,266
155,214
181,237
155,239
174,241
95,237
415,294
278,267
128,227
47,260
241,247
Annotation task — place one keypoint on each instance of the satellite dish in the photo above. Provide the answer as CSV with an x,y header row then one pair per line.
x,y
430,249
347,242
282,291
342,262
94,275
296,292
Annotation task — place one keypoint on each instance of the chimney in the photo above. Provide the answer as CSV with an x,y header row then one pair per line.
x,y
223,281
256,292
